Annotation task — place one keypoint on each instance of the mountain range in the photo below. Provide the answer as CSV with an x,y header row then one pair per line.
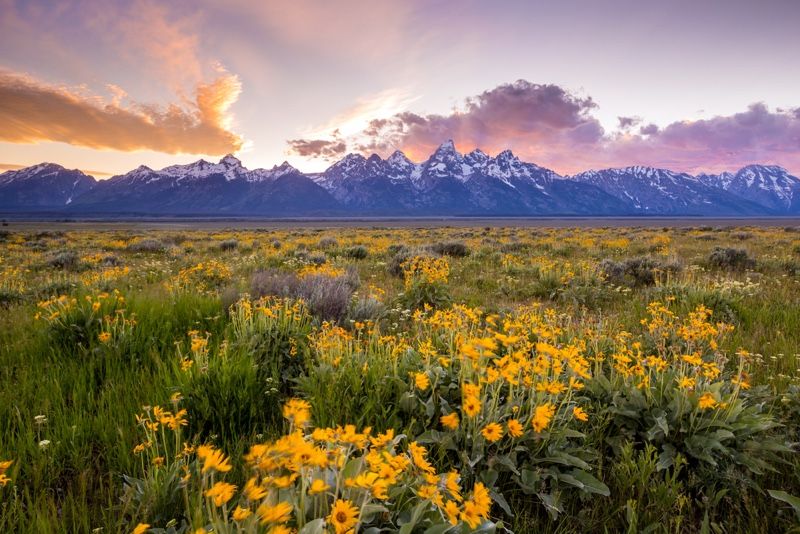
x,y
448,183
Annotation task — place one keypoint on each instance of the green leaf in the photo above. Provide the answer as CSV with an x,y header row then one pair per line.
x,y
501,501
507,462
370,510
528,480
588,483
791,500
408,528
316,526
352,468
551,503
439,529
660,426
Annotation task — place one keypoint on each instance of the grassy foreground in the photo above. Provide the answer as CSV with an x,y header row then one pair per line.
x,y
411,380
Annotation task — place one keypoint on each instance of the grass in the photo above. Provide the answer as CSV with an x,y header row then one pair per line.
x,y
67,412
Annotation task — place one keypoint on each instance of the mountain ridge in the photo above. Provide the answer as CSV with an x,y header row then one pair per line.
x,y
448,183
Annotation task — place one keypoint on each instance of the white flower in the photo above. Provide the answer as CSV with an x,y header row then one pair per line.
x,y
44,444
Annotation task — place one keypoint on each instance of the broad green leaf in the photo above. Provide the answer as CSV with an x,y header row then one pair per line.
x,y
316,526
791,500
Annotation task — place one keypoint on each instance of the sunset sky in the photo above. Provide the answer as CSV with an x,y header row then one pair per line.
x,y
692,85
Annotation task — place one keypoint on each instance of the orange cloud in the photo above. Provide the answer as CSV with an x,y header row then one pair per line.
x,y
31,111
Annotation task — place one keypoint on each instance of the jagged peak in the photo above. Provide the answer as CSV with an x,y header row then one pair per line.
x,y
285,166
477,155
398,156
448,147
507,155
759,168
230,160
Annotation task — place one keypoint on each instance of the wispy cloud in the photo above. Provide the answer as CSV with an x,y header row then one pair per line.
x,y
326,141
165,43
32,111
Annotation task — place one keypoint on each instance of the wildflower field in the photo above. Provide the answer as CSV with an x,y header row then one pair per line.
x,y
431,380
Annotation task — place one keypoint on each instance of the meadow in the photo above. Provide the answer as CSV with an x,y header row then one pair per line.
x,y
433,380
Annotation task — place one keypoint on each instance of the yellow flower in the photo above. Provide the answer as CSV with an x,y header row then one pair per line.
x,y
580,414
449,421
469,515
515,429
451,483
477,507
542,416
253,491
686,383
422,381
343,516
381,440
692,359
418,453
141,528
297,411
470,390
280,513
240,514
4,479
471,406
104,337
451,511
221,492
213,459
318,486
492,432
706,401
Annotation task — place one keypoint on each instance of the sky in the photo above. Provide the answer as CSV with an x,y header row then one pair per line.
x,y
105,86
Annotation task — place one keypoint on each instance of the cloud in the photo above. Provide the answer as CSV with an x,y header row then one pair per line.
x,y
317,148
32,111
756,135
628,122
327,141
549,125
650,129
532,119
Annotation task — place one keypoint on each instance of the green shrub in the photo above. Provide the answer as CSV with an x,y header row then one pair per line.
x,y
731,259
232,396
420,294
635,272
66,259
358,252
455,249
356,382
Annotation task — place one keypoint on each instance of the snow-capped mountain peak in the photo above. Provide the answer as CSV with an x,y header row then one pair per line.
x,y
476,158
448,182
768,185
398,158
230,161
445,162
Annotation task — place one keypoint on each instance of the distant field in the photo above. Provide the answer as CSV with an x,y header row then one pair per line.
x,y
415,222
531,375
